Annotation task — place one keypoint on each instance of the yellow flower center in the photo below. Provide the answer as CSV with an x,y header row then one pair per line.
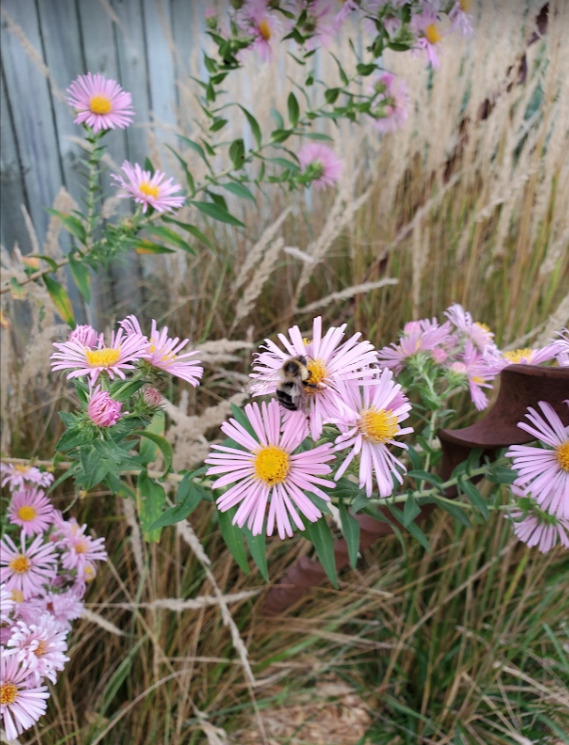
x,y
272,465
432,34
465,5
265,29
89,574
562,455
81,547
378,425
483,326
20,564
26,513
22,469
8,693
318,373
17,596
41,649
150,191
517,355
106,357
477,379
100,105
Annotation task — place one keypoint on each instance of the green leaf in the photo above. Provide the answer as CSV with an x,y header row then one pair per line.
x,y
197,148
52,264
163,444
147,247
430,478
150,501
191,229
320,535
331,94
188,497
169,235
217,213
474,497
343,76
60,300
237,188
189,177
279,121
410,510
280,135
237,152
218,124
351,531
72,224
255,129
120,390
293,109
80,274
233,537
284,163
317,136
455,510
412,527
363,69
258,549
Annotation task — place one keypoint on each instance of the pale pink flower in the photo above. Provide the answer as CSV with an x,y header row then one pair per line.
x,y
478,333
78,550
103,410
31,510
21,705
40,646
498,360
427,28
26,569
319,23
534,527
264,25
63,606
348,7
371,424
18,476
419,337
100,103
149,189
390,107
265,470
475,370
544,472
330,360
85,335
320,164
120,355
562,343
164,352
461,19
6,604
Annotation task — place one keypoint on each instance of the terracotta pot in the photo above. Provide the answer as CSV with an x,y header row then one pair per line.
x,y
520,386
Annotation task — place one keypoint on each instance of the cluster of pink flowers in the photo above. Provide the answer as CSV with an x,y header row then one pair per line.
x,y
43,578
354,404
542,483
464,351
87,354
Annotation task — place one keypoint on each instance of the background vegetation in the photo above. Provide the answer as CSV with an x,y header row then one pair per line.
x,y
469,643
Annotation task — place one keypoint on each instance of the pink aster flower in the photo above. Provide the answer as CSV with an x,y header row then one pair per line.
x,y
18,476
478,333
100,103
27,569
348,7
78,550
498,360
103,410
330,360
461,19
425,25
85,335
534,527
164,352
562,343
6,604
257,20
319,23
266,470
390,107
419,337
371,424
31,510
149,189
543,472
120,355
63,606
475,370
40,646
320,165
21,704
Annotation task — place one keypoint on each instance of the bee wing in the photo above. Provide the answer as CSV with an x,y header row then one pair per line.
x,y
263,385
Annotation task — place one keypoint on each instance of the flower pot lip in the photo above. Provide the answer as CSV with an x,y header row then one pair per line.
x,y
537,371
